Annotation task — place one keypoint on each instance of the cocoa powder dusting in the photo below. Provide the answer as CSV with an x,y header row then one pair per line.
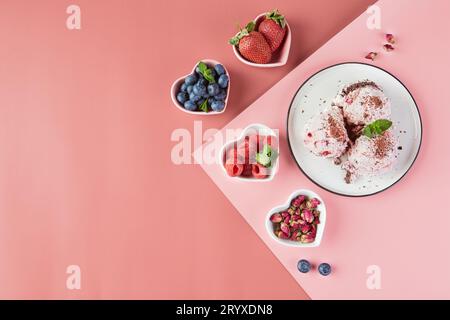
x,y
336,130
382,146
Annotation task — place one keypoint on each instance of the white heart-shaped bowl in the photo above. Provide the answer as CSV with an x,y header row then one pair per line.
x,y
262,130
320,227
279,58
177,85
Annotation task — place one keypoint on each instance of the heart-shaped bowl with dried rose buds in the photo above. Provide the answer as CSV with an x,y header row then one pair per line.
x,y
300,222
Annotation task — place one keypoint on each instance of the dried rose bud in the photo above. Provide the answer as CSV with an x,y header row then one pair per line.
x,y
305,228
306,238
316,213
316,220
298,211
295,217
295,225
308,216
315,202
390,38
371,55
296,234
285,228
313,230
284,235
291,210
276,217
302,222
388,47
284,214
298,201
287,220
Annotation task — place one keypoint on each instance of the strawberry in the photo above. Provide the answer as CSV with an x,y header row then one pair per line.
x,y
234,170
252,45
273,28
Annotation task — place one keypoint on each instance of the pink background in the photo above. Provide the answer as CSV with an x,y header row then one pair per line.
x,y
403,230
85,170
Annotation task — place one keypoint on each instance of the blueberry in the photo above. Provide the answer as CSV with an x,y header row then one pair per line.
x,y
190,105
213,73
324,269
189,89
199,102
217,105
223,81
206,95
202,81
303,266
213,89
182,97
193,97
183,87
219,69
221,96
190,79
199,90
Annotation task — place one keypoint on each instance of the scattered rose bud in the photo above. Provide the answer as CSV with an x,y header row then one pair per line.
x,y
276,217
371,55
388,47
390,38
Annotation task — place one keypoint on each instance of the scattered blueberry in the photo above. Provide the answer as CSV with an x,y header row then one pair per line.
x,y
223,81
303,266
221,95
213,89
183,87
199,90
182,97
189,89
324,269
217,105
219,69
190,105
193,97
190,79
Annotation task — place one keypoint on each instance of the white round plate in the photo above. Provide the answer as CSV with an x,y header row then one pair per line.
x,y
317,92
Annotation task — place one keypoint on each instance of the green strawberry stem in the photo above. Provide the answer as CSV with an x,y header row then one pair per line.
x,y
277,17
242,33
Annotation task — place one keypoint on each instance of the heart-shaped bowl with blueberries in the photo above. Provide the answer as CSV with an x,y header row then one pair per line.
x,y
279,55
253,156
300,222
205,91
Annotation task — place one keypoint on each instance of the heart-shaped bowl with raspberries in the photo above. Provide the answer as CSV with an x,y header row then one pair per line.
x,y
253,156
279,57
191,97
300,222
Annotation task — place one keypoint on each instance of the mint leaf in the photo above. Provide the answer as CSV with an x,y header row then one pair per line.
x,y
377,128
267,156
206,72
204,106
250,26
263,159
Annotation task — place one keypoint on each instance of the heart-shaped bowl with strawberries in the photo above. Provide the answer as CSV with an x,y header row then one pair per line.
x,y
300,222
253,156
279,57
177,85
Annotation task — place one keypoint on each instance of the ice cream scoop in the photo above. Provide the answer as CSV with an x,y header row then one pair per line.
x,y
371,156
363,102
325,134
